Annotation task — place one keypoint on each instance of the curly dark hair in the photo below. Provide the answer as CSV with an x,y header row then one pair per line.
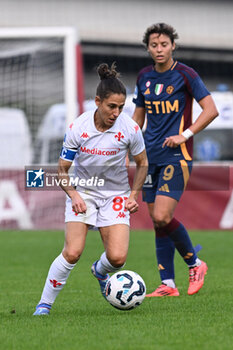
x,y
160,28
109,84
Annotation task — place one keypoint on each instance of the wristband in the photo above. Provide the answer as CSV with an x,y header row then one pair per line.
x,y
187,134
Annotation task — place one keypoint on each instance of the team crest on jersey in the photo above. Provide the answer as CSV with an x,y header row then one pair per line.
x,y
158,89
119,136
170,89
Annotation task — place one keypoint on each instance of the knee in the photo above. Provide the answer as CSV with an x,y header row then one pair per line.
x,y
71,255
161,219
117,259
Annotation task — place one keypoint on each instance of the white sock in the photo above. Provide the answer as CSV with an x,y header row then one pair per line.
x,y
197,263
58,273
103,266
169,283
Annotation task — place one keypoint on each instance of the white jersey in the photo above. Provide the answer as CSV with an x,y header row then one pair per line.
x,y
99,157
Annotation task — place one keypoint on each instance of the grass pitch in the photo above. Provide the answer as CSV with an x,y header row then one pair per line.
x,y
82,319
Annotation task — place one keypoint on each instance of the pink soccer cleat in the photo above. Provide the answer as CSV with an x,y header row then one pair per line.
x,y
164,291
196,278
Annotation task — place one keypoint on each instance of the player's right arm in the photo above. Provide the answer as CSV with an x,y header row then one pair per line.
x,y
78,204
68,153
139,116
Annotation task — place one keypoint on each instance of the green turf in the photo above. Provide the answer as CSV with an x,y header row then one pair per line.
x,y
82,319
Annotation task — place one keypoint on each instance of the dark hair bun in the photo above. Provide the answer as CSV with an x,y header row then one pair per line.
x,y
107,73
109,83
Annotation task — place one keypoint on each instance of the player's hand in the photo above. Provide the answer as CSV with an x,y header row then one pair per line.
x,y
173,141
78,204
131,205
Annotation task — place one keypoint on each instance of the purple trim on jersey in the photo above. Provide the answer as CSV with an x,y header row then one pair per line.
x,y
182,67
186,82
188,122
145,70
189,74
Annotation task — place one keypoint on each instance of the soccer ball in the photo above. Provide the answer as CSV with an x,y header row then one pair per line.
x,y
125,290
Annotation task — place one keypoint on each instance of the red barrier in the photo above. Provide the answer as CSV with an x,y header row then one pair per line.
x,y
207,202
211,208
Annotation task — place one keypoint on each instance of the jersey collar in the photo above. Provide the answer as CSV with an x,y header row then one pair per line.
x,y
166,71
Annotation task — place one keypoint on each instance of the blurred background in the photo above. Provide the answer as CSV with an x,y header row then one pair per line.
x,y
49,51
32,79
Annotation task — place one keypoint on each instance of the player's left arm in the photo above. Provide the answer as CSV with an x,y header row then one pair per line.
x,y
139,179
208,114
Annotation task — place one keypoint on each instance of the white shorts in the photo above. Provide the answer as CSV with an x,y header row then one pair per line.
x,y
100,211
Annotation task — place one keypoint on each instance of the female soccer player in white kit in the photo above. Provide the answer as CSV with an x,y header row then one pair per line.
x,y
98,142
